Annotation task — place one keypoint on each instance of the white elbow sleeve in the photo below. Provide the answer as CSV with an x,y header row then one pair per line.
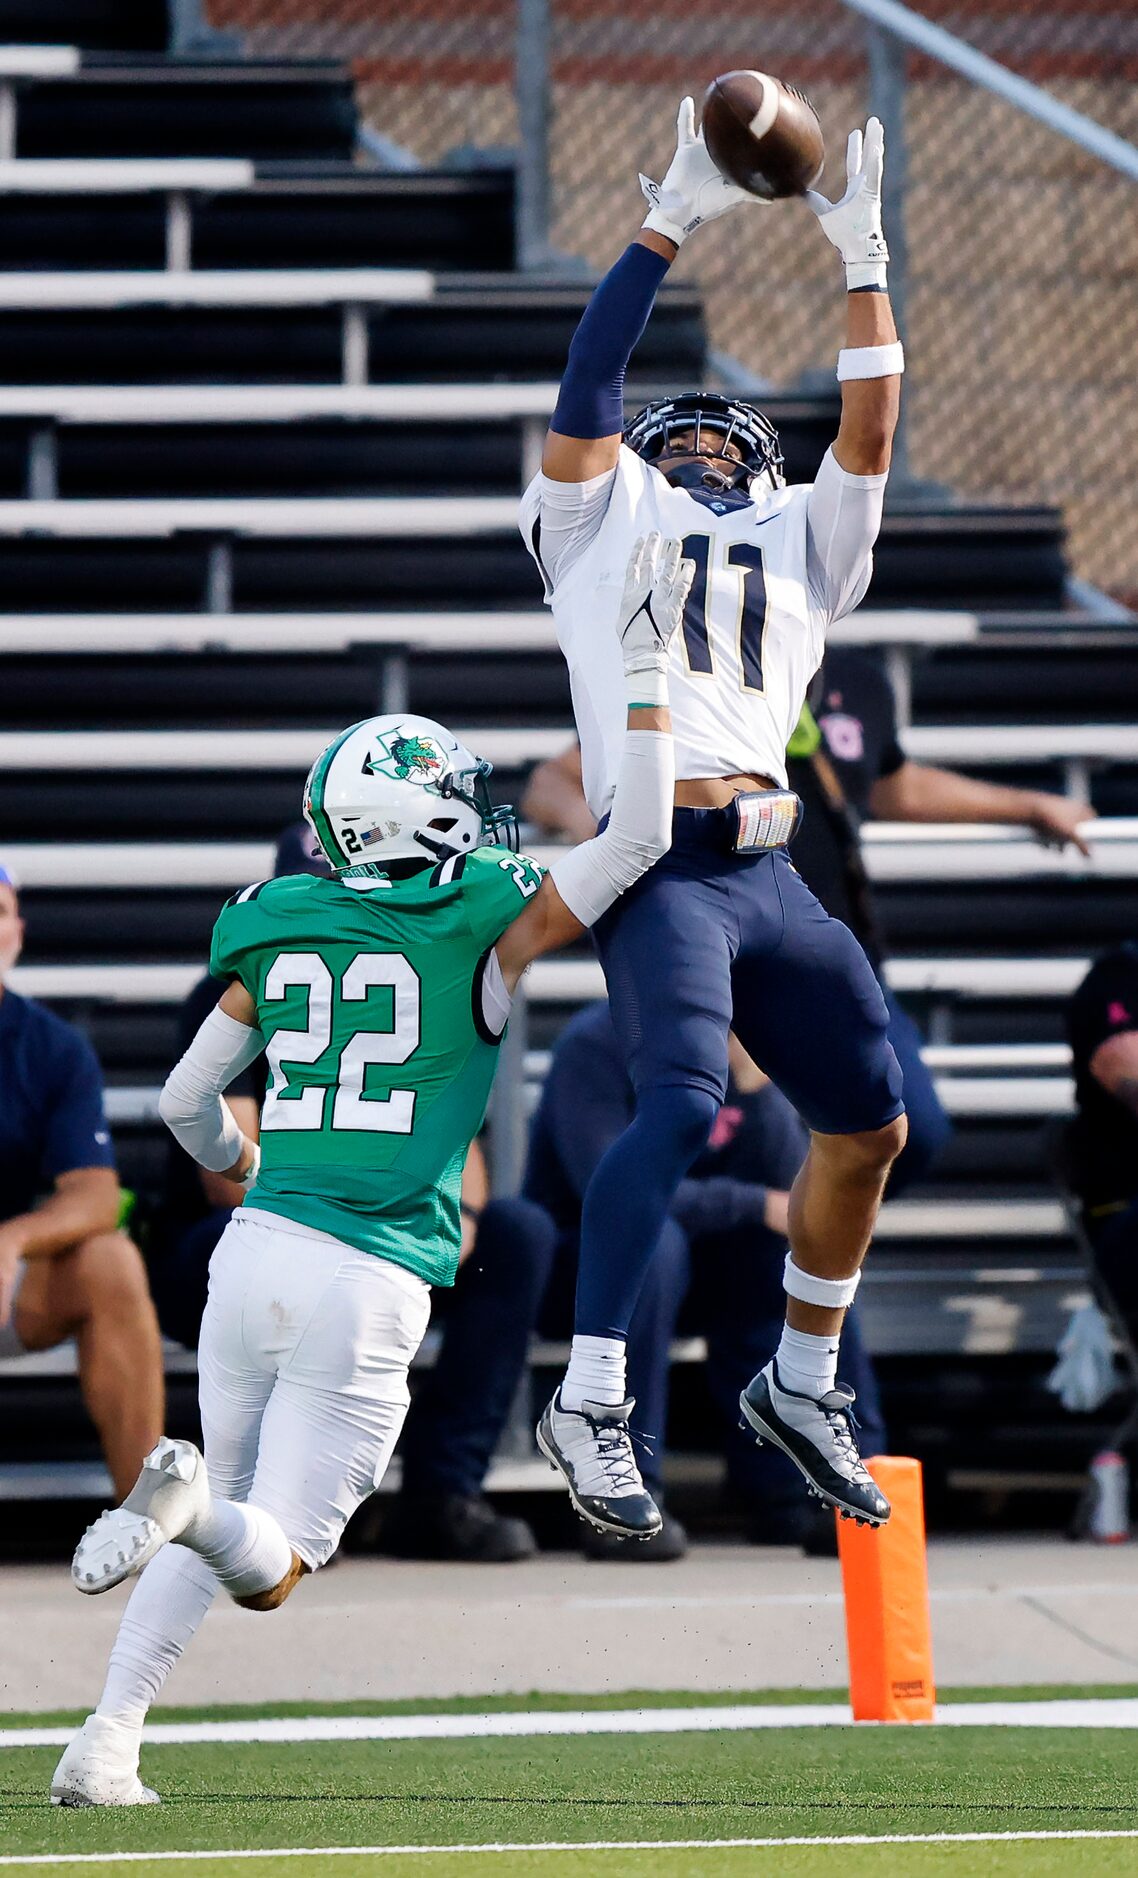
x,y
191,1104
639,830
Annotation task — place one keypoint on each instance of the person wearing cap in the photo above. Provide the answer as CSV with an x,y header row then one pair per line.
x,y
66,1269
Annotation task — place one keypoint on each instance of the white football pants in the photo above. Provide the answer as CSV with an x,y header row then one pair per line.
x,y
302,1373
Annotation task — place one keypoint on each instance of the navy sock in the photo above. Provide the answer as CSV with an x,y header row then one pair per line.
x,y
627,1203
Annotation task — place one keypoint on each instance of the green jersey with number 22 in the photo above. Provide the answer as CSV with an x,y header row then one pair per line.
x,y
369,997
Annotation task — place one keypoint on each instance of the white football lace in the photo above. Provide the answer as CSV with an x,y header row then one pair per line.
x,y
840,1423
614,1457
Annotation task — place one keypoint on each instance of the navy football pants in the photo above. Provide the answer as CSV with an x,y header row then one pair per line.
x,y
709,941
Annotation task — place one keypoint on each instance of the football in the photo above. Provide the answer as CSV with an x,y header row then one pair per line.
x,y
762,134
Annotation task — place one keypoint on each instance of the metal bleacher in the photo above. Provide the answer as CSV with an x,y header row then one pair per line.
x,y
265,416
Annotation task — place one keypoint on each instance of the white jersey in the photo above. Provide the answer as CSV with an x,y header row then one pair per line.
x,y
771,576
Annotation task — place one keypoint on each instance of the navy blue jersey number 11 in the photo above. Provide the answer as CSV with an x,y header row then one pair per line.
x,y
747,562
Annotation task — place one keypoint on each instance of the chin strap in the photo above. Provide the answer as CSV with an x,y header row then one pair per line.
x,y
688,475
441,850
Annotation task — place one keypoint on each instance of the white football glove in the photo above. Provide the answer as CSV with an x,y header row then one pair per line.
x,y
854,223
656,587
693,191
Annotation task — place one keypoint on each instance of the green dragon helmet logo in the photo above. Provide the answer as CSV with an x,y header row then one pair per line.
x,y
407,759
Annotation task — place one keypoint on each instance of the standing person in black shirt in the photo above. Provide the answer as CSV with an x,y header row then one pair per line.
x,y
846,762
1102,1024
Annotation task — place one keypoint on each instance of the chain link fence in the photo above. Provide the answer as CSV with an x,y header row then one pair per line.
x,y
1022,277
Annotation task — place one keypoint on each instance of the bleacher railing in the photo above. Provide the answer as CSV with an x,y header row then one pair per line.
x,y
1015,240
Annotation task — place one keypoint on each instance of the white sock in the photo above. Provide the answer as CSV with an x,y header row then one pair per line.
x,y
807,1364
245,1546
166,1606
595,1372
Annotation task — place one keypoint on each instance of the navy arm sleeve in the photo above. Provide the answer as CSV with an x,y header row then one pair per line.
x,y
591,400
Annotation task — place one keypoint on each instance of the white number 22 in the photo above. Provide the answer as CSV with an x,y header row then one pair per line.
x,y
352,1108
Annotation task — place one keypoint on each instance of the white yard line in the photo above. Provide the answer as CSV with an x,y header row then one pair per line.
x,y
949,1594
565,1845
1099,1712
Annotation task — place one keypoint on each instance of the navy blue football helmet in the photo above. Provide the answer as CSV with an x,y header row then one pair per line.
x,y
715,421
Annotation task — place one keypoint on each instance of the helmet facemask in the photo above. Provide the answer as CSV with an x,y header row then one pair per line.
x,y
470,787
705,463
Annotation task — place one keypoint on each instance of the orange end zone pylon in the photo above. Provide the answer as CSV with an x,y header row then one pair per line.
x,y
885,1579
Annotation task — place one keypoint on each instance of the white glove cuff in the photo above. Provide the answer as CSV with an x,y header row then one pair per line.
x,y
870,361
865,274
661,224
250,1179
646,690
647,685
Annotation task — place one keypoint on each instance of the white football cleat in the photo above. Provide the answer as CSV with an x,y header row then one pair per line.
x,y
592,1447
100,1768
171,1492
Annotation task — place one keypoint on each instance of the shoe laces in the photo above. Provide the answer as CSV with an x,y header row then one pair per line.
x,y
837,1407
615,1457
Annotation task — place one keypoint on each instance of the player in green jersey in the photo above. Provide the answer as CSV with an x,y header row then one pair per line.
x,y
379,997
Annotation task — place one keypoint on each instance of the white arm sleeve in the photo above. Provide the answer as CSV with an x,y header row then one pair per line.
x,y
559,521
191,1104
843,519
639,830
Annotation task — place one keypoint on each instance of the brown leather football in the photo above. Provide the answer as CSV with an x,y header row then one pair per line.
x,y
762,134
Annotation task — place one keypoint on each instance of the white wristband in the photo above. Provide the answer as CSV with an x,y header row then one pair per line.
x,y
862,274
870,361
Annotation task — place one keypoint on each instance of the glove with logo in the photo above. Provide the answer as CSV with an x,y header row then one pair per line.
x,y
693,191
854,223
656,587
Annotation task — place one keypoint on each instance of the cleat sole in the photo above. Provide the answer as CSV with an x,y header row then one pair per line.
x,y
111,1551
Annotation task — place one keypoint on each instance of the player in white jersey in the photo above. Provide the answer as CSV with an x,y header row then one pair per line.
x,y
723,932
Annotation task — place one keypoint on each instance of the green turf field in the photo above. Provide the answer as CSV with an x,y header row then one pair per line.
x,y
599,1793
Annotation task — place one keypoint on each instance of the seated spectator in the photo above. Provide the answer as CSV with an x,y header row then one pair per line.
x,y
1102,1024
846,761
725,1240
66,1270
195,1205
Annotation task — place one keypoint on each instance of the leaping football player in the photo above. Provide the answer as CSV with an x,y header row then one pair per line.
x,y
379,997
722,931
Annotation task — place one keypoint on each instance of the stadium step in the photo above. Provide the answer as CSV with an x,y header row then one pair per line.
x,y
331,217
94,440
97,25
299,110
497,327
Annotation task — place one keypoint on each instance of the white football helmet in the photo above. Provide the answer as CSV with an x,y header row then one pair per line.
x,y
401,788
